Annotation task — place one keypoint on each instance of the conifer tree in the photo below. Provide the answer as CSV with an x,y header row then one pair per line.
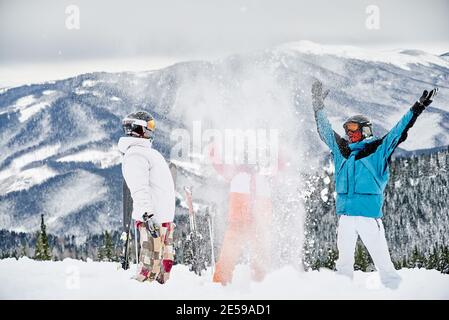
x,y
42,248
100,254
106,252
417,260
23,251
404,263
361,258
444,260
397,264
434,258
331,259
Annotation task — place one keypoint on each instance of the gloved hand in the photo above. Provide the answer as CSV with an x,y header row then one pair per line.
x,y
318,95
151,224
426,98
424,101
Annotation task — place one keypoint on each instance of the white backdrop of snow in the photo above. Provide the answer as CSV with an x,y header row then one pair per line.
x,y
74,279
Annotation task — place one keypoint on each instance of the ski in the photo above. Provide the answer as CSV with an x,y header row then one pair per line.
x,y
174,172
124,258
125,237
194,238
192,224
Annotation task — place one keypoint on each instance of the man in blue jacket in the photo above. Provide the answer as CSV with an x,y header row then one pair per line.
x,y
361,175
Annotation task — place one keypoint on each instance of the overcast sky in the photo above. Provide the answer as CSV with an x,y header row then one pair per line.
x,y
164,31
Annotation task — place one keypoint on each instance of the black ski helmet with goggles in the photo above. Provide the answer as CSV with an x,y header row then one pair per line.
x,y
139,124
364,124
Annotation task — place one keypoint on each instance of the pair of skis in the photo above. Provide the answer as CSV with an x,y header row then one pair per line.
x,y
195,237
127,222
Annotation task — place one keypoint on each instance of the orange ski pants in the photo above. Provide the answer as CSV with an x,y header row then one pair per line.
x,y
248,228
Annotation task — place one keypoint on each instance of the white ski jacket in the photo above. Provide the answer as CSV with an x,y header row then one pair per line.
x,y
148,178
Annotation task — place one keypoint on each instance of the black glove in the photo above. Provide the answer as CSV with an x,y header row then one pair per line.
x,y
424,101
151,225
426,98
318,95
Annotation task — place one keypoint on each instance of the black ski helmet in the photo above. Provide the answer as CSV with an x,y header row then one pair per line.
x,y
139,124
365,125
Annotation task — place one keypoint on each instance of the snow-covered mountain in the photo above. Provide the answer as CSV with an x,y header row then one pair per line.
x,y
58,139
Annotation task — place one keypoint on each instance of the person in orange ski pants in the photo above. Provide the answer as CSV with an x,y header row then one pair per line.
x,y
249,220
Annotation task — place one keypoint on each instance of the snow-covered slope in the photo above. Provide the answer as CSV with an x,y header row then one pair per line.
x,y
74,279
58,139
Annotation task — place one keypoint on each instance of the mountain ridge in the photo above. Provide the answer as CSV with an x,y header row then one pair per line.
x,y
79,118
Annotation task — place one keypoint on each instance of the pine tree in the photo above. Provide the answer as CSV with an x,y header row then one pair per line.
x,y
109,247
100,255
361,258
404,263
443,264
417,260
188,251
23,252
42,248
397,264
434,258
331,259
106,252
317,264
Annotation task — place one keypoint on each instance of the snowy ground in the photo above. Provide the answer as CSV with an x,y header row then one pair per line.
x,y
73,279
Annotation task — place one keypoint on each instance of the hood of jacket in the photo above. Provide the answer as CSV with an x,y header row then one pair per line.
x,y
125,143
357,146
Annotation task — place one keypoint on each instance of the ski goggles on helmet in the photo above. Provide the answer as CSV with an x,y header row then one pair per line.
x,y
351,126
139,128
150,124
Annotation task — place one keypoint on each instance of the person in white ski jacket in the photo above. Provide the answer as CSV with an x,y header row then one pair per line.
x,y
151,185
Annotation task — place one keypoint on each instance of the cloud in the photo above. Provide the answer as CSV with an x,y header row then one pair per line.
x,y
35,31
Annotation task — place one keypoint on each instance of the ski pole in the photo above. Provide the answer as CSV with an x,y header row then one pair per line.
x,y
135,242
126,235
188,192
193,233
125,254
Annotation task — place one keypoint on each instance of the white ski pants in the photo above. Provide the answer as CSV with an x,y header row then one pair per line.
x,y
372,233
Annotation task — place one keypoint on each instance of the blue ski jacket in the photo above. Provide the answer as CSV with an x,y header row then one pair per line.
x,y
362,168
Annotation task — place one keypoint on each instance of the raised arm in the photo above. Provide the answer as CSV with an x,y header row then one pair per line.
x,y
399,132
225,170
335,143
